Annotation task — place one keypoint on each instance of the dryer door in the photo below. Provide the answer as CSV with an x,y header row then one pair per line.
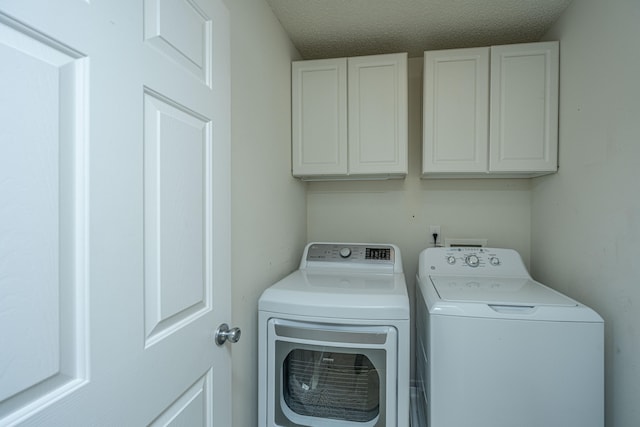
x,y
331,374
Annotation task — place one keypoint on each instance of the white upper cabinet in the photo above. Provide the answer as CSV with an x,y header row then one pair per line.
x,y
456,114
350,118
524,108
378,119
319,121
491,112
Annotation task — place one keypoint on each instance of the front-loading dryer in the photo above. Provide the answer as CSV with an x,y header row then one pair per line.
x,y
334,340
495,348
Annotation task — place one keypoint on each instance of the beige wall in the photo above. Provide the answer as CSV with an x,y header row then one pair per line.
x,y
578,228
268,205
586,219
400,211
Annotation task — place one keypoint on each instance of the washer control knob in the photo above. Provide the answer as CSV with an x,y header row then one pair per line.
x,y
494,260
451,260
345,252
472,260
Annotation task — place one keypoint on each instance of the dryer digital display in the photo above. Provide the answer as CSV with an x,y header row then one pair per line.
x,y
378,253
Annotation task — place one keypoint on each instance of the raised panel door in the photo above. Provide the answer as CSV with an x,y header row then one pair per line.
x,y
378,127
456,101
319,122
524,108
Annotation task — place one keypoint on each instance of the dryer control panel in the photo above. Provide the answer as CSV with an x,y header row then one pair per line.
x,y
331,255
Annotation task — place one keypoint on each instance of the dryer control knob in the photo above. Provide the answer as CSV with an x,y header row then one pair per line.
x,y
345,252
472,261
494,260
451,260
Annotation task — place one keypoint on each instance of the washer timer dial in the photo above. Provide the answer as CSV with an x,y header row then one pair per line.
x,y
472,260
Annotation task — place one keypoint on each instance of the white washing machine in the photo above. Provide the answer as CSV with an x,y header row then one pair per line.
x,y
334,340
497,349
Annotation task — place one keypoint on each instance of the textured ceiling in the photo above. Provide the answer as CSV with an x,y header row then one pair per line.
x,y
336,28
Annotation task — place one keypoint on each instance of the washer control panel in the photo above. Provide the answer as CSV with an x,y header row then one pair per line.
x,y
350,254
471,261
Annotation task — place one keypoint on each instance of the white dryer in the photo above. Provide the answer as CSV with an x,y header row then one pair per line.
x,y
334,340
497,349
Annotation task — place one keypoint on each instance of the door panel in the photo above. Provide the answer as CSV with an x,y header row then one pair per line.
x,y
182,31
191,408
42,218
177,211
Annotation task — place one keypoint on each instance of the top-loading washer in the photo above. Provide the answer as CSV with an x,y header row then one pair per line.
x,y
495,348
334,340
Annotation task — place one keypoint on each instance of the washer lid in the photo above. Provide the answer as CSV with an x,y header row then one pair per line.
x,y
516,291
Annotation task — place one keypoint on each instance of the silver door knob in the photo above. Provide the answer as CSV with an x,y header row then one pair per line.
x,y
223,333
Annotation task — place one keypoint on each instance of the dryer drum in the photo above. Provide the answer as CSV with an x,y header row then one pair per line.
x,y
334,385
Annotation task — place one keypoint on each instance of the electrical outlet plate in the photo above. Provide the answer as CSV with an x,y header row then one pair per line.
x,y
435,229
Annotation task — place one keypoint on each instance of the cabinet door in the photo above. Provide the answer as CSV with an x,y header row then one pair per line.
x,y
456,101
319,122
378,128
524,108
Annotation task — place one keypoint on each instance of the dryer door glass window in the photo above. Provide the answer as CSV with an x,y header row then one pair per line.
x,y
329,384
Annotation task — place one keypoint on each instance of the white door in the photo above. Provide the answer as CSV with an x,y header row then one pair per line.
x,y
114,212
